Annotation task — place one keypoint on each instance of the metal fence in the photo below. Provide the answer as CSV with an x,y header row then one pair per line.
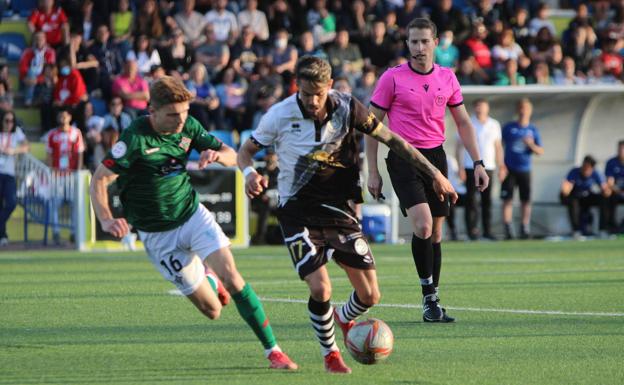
x,y
48,197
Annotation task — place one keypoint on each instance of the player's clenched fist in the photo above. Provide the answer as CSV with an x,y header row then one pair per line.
x,y
254,184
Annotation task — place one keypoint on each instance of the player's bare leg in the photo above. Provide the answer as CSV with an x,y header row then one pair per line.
x,y
525,232
249,307
322,318
206,301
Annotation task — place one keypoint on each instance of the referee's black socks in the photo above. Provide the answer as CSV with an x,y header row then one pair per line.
x,y
422,252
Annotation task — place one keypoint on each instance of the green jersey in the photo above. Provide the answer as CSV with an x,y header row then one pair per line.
x,y
156,191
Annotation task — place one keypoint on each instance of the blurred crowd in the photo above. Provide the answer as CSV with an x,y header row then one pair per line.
x,y
238,56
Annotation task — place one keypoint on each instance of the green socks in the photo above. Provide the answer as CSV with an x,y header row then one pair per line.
x,y
250,309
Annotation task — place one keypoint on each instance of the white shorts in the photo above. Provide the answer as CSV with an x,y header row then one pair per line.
x,y
178,254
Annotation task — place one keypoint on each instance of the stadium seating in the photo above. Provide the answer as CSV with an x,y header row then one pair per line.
x,y
12,44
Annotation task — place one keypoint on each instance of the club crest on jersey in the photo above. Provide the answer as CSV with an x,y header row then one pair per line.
x,y
119,150
360,246
185,143
440,100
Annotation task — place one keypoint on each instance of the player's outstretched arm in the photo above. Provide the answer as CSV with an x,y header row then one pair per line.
x,y
99,199
441,185
225,156
254,182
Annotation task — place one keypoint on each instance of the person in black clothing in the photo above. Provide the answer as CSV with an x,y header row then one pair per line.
x,y
583,188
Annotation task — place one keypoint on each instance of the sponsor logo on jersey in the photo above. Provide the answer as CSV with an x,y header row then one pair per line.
x,y
172,167
151,150
185,143
119,150
360,246
325,157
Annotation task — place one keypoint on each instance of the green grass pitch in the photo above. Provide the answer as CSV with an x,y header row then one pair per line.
x,y
528,313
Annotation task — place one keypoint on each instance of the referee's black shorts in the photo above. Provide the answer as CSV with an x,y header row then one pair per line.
x,y
413,186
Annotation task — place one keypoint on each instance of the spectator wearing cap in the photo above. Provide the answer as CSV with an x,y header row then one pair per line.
x,y
583,188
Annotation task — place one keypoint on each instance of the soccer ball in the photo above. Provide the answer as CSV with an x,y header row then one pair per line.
x,y
370,341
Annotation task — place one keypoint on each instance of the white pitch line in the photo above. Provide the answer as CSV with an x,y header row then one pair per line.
x,y
475,309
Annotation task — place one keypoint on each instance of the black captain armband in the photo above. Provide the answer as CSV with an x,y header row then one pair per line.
x,y
255,141
477,163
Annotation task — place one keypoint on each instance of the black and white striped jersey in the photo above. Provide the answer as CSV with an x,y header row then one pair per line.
x,y
318,161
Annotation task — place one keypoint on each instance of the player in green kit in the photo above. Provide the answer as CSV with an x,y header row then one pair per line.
x,y
181,237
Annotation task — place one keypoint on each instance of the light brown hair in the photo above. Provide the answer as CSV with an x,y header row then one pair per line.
x,y
422,23
167,90
313,69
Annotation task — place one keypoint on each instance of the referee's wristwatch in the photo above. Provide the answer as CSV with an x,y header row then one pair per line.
x,y
478,163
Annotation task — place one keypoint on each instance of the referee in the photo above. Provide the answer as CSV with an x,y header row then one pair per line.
x,y
415,95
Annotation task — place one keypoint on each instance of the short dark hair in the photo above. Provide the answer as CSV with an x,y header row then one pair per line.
x,y
479,101
621,143
588,159
422,23
313,69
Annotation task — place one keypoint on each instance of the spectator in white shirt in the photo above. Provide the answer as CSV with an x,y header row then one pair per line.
x,y
256,19
224,21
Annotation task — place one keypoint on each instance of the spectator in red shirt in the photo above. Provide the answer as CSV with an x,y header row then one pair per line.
x,y
65,146
51,20
70,88
31,65
611,59
477,48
